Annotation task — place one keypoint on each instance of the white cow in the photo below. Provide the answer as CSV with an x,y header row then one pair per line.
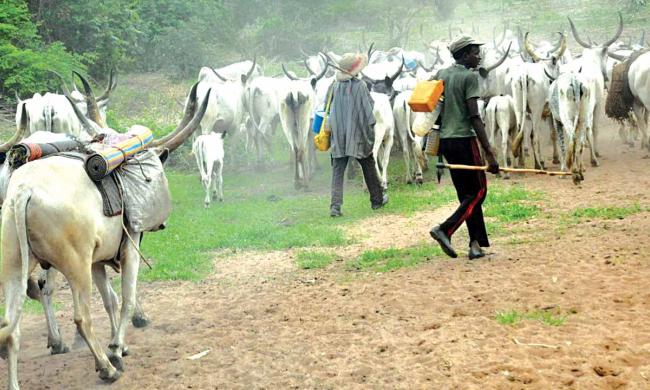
x,y
234,72
592,66
639,79
262,104
208,150
384,134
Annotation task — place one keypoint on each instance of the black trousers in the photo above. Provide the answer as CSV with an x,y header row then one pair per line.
x,y
369,175
471,188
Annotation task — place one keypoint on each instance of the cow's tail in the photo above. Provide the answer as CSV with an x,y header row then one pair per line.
x,y
407,114
20,214
251,106
516,144
47,113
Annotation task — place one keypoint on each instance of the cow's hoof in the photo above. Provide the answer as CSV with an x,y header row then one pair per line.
x,y
58,348
556,160
597,154
116,361
140,321
109,374
594,163
3,351
126,351
419,181
409,181
506,176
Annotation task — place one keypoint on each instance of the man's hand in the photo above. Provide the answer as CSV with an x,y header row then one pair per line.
x,y
493,165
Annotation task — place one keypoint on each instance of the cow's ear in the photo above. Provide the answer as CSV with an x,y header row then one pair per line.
x,y
3,157
163,154
554,61
313,82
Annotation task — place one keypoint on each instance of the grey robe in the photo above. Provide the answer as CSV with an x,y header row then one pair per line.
x,y
351,120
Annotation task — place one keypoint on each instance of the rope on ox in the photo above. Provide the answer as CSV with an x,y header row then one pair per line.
x,y
509,170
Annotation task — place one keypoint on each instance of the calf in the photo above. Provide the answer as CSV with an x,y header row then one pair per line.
x,y
208,150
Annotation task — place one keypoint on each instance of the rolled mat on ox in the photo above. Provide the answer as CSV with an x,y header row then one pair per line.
x,y
22,153
116,149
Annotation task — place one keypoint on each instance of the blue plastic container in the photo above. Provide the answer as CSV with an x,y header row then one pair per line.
x,y
318,121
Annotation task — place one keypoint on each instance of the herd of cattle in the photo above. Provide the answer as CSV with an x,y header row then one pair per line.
x,y
527,91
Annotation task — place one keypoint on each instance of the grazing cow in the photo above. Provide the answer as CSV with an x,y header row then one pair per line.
x,y
59,189
500,120
208,150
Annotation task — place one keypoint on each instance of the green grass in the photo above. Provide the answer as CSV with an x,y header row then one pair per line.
x,y
32,307
385,260
509,204
513,317
313,259
608,212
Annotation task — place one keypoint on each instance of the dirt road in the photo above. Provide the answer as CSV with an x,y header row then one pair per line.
x,y
268,324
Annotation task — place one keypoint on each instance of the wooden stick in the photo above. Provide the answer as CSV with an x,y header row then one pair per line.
x,y
512,170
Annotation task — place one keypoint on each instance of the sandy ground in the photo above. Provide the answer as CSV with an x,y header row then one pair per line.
x,y
268,324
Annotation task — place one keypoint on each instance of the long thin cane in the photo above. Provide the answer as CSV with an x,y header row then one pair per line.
x,y
510,170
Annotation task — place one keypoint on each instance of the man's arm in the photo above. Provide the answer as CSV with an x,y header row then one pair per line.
x,y
479,128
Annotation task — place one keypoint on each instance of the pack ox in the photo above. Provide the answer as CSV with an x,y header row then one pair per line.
x,y
59,189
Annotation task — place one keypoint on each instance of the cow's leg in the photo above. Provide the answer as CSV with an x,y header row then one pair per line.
x,y
109,298
556,154
130,263
47,286
140,318
297,179
536,145
80,281
592,147
15,294
642,123
208,182
385,157
418,160
406,154
219,180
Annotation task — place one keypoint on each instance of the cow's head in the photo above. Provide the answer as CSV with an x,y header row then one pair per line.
x,y
312,79
244,78
384,85
597,53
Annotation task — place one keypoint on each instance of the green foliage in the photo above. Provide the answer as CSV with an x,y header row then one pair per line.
x,y
385,260
513,317
25,60
511,203
313,259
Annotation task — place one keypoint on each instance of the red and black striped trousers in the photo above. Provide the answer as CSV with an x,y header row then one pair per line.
x,y
471,188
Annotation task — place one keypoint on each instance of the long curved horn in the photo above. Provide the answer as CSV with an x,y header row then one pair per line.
x,y
322,73
190,108
562,48
182,135
421,65
530,50
483,72
112,83
218,75
92,128
91,102
302,51
311,72
250,72
548,75
501,60
18,135
618,32
370,51
576,36
64,87
286,73
399,71
617,57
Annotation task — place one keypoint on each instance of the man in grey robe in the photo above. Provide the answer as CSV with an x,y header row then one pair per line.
x,y
352,124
